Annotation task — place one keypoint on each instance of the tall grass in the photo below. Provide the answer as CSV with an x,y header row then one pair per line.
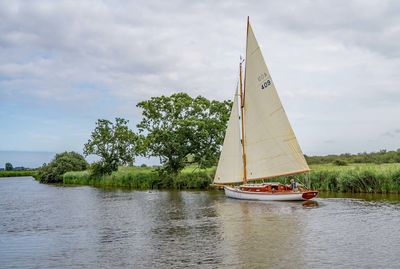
x,y
143,178
366,178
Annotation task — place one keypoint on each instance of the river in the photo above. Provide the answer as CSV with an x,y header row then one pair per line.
x,y
44,226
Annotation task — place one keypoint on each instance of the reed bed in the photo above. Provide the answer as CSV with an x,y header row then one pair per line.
x,y
356,178
143,178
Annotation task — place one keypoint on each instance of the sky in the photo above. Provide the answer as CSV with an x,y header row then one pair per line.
x,y
65,64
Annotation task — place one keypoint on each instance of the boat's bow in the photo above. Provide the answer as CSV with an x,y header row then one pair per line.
x,y
307,195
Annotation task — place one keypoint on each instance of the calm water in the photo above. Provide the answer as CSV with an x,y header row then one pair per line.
x,y
45,226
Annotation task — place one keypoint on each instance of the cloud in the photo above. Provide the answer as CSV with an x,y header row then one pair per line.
x,y
372,25
392,133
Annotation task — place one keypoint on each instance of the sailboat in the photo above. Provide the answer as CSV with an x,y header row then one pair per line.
x,y
259,141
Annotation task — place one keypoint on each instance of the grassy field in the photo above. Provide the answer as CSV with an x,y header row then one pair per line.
x,y
368,178
22,173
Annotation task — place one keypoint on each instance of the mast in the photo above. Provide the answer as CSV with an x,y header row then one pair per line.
x,y
242,119
242,98
245,70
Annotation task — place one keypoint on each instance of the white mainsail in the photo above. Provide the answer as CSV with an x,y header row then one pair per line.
x,y
270,144
230,165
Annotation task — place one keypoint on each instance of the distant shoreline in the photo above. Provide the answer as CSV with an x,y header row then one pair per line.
x,y
19,173
352,178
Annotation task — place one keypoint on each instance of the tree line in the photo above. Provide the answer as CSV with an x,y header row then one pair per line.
x,y
382,156
10,167
178,129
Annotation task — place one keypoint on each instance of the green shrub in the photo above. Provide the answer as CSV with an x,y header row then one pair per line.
x,y
62,163
339,162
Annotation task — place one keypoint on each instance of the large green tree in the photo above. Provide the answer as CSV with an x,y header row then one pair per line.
x,y
182,130
114,143
62,163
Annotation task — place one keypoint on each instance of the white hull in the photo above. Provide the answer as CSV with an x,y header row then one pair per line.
x,y
262,196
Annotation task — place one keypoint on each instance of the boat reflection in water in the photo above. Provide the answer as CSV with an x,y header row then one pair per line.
x,y
310,203
263,234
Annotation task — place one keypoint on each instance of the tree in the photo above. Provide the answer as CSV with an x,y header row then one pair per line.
x,y
9,167
114,143
182,130
340,162
62,163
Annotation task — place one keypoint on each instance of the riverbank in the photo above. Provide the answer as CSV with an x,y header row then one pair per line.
x,y
19,173
144,178
355,178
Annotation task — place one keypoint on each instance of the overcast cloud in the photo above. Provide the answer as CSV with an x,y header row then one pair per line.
x,y
64,64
